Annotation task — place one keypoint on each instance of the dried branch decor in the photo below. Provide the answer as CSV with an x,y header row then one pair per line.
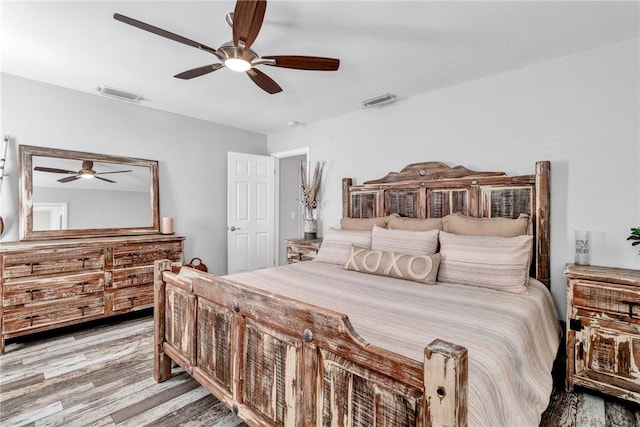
x,y
310,189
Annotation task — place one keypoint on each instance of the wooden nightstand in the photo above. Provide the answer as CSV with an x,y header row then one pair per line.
x,y
299,250
603,330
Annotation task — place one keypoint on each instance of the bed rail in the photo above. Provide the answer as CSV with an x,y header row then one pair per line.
x,y
278,361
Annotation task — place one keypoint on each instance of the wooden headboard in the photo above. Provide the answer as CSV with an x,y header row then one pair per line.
x,y
434,190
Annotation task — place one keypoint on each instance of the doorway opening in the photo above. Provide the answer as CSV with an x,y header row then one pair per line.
x,y
289,210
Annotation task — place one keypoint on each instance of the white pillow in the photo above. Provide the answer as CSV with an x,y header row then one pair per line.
x,y
336,245
500,263
404,241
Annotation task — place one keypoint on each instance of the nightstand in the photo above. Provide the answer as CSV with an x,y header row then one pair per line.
x,y
299,250
603,330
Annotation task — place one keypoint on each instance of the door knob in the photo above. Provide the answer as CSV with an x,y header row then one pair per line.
x,y
234,228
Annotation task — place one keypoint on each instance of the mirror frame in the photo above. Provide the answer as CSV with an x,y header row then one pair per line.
x,y
25,194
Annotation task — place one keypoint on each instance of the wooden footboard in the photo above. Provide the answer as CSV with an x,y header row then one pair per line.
x,y
277,361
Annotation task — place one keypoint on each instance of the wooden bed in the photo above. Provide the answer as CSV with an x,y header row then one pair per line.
x,y
276,360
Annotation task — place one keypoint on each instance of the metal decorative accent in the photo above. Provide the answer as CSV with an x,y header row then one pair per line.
x,y
236,307
234,408
308,335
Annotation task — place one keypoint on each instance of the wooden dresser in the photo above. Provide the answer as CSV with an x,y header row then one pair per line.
x,y
603,330
54,283
299,250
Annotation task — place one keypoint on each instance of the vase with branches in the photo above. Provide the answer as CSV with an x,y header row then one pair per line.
x,y
310,189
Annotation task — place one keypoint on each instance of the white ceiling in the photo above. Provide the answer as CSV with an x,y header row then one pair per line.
x,y
405,48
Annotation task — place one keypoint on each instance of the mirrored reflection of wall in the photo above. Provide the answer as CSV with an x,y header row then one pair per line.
x,y
50,216
98,208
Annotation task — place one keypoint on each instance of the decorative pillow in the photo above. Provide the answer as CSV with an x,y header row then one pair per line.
x,y
347,223
404,241
336,245
397,222
419,268
502,227
500,263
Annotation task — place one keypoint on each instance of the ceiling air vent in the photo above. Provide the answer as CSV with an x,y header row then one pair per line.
x,y
120,94
387,98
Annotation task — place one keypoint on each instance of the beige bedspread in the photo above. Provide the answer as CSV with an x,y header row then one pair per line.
x,y
512,339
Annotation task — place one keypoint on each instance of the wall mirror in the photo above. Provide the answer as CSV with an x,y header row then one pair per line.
x,y
76,194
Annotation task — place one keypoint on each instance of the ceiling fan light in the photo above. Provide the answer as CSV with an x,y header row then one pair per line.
x,y
86,175
237,64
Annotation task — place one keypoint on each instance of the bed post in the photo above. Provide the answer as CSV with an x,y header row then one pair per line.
x,y
161,362
346,200
543,216
445,384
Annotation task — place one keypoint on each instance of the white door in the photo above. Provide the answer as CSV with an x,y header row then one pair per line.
x,y
250,212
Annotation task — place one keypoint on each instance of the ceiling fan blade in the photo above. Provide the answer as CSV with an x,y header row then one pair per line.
x,y
104,173
104,179
298,62
247,21
69,179
54,170
265,82
197,72
161,32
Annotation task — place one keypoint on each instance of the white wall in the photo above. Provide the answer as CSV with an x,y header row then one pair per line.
x,y
581,112
192,154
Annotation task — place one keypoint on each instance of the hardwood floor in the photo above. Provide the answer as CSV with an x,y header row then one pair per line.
x,y
102,375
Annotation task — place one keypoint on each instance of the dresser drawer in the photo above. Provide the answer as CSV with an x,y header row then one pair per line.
x,y
25,291
299,250
607,355
145,254
134,276
54,261
617,300
132,298
45,313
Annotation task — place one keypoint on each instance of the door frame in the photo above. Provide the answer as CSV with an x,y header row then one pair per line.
x,y
281,155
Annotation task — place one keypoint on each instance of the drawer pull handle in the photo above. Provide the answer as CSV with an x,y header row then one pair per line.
x,y
82,308
631,304
32,265
32,291
132,299
84,260
133,278
30,319
83,284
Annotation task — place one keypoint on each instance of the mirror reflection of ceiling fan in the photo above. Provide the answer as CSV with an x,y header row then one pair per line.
x,y
246,21
87,172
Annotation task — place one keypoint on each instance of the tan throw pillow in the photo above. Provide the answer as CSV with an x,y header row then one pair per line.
x,y
404,241
500,263
347,223
419,268
502,227
397,222
336,245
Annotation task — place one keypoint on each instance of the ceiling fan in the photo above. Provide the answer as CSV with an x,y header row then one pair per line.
x,y
86,172
246,21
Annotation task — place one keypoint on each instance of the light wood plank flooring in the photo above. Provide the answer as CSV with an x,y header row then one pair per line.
x,y
102,375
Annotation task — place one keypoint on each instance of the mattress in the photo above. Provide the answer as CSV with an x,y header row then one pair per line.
x,y
512,339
